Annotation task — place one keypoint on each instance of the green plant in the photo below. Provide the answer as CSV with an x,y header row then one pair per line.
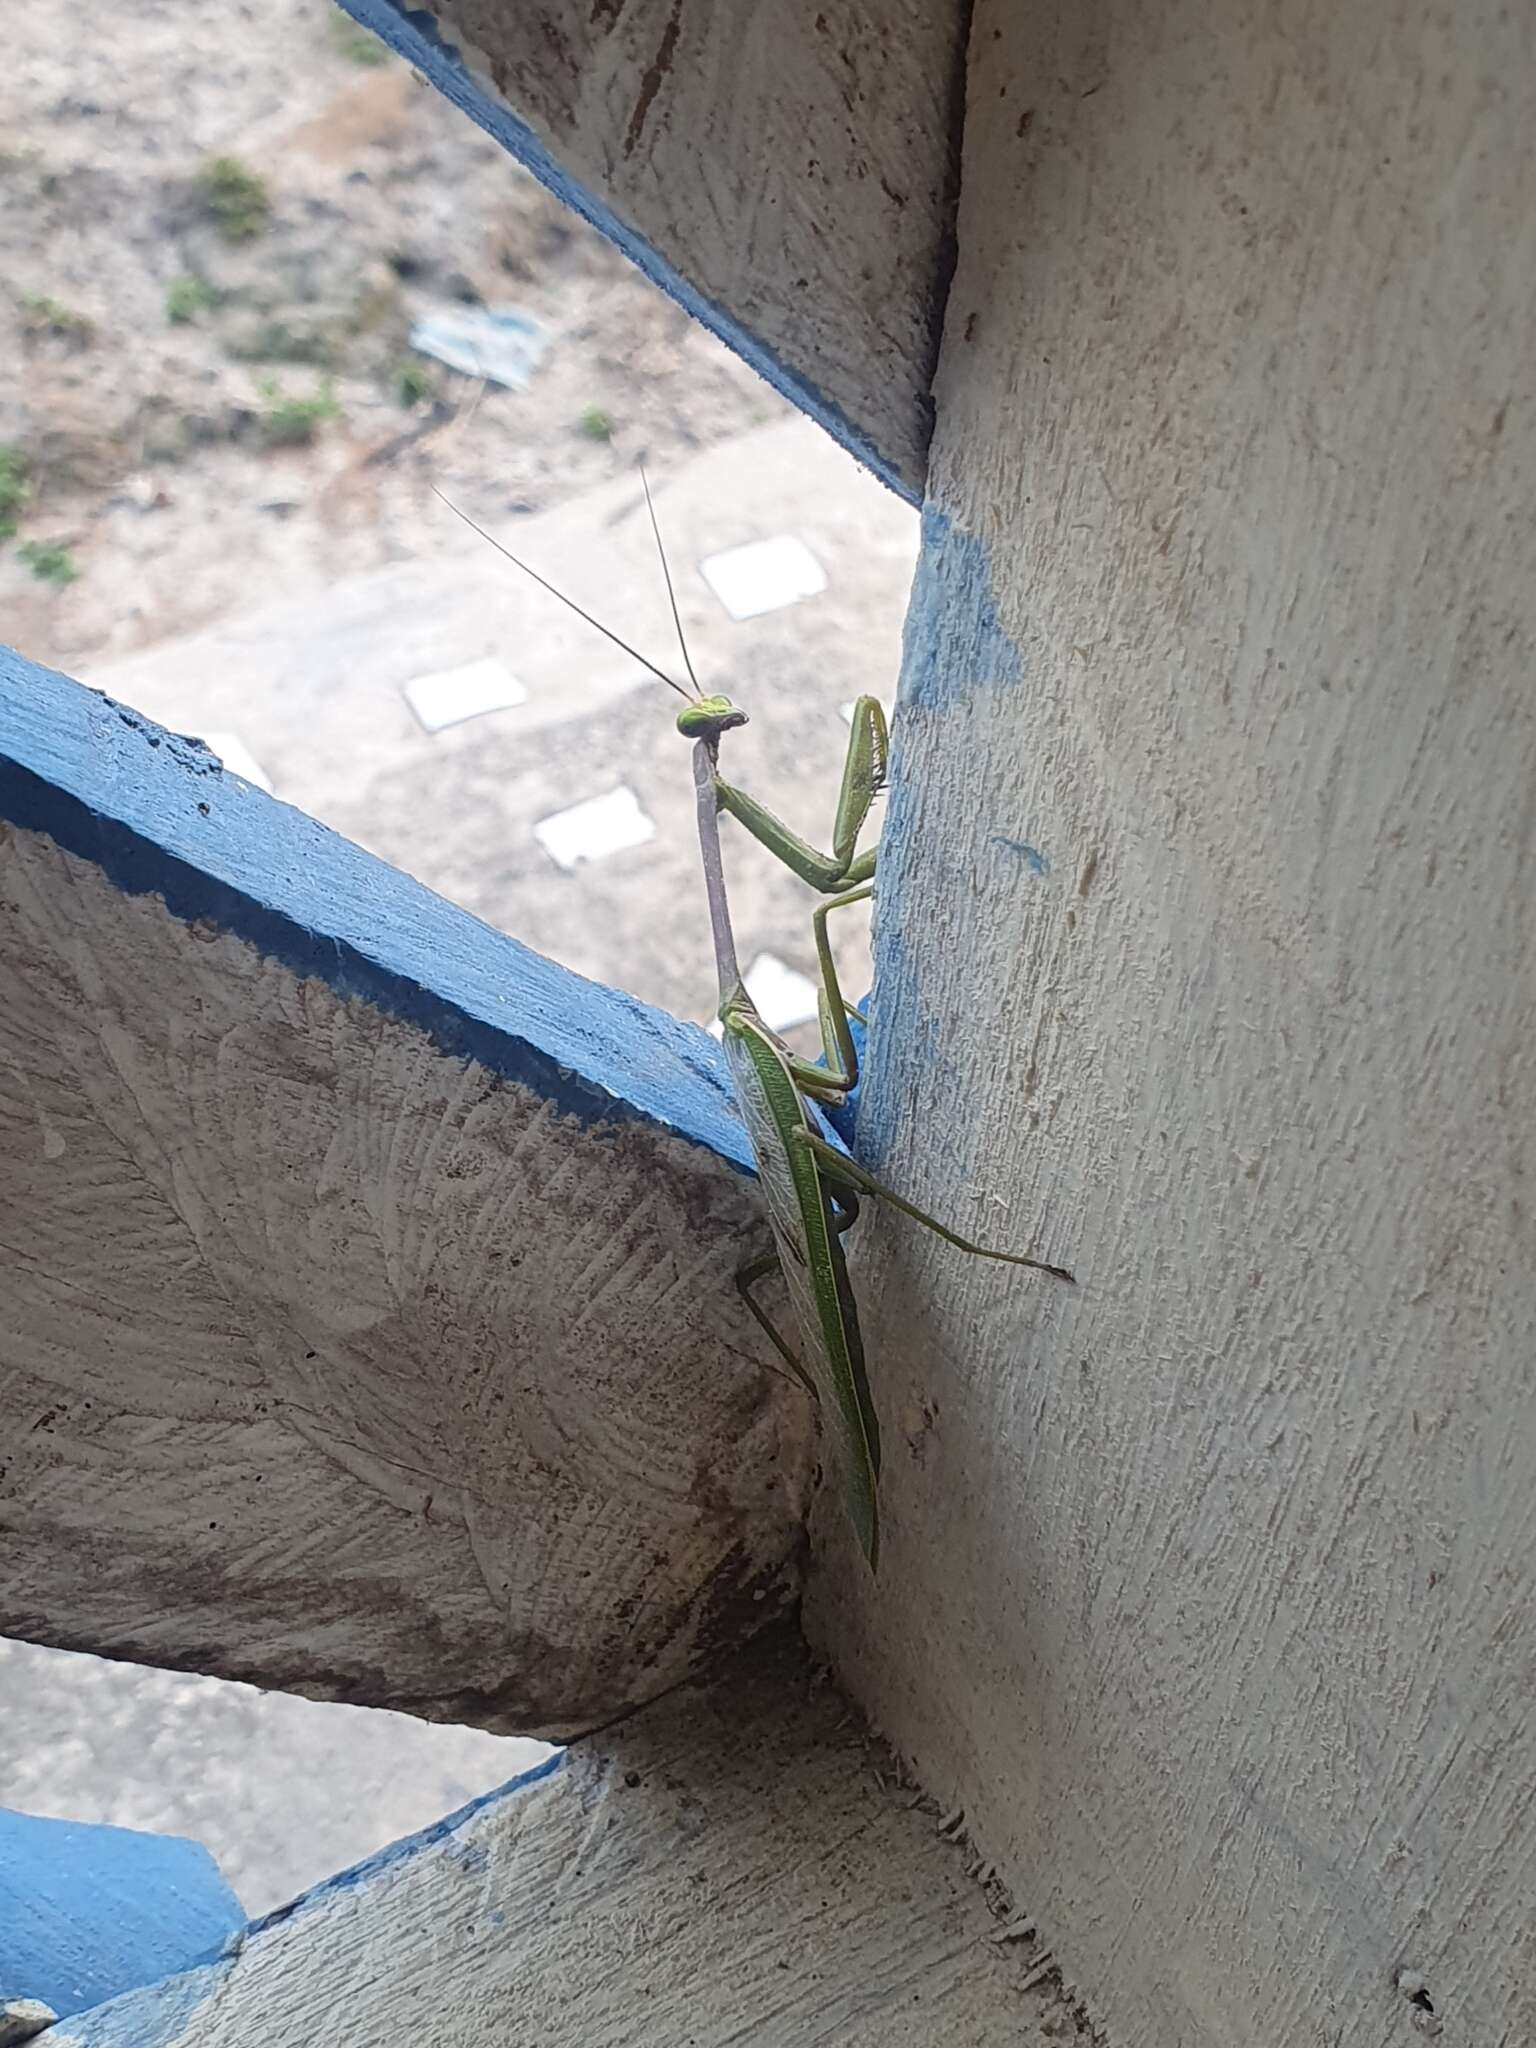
x,y
236,197
45,315
186,297
14,488
357,44
49,560
277,341
290,422
595,424
414,383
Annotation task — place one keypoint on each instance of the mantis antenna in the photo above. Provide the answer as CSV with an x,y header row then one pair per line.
x,y
667,573
571,604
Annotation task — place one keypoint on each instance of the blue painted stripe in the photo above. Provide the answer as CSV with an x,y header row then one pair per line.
x,y
159,816
954,643
414,34
955,648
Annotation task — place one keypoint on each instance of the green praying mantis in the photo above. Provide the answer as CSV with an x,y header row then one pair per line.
x,y
812,1186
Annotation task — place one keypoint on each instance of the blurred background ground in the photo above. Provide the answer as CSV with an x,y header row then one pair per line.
x,y
221,224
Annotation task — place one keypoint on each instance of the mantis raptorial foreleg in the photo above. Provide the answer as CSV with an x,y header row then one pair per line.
x,y
844,876
864,773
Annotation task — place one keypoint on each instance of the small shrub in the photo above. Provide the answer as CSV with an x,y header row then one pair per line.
x,y
49,560
45,315
357,44
289,422
186,297
279,341
14,488
414,383
236,197
595,424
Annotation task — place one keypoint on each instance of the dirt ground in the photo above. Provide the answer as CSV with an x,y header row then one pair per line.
x,y
152,446
193,495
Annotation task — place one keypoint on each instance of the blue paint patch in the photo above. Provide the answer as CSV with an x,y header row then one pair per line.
x,y
87,1913
158,815
1034,860
954,649
155,2016
954,644
415,35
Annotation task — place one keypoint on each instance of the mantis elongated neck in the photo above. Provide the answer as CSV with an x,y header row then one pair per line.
x,y
714,872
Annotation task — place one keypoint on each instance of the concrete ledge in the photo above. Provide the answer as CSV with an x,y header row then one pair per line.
x,y
738,1863
370,1330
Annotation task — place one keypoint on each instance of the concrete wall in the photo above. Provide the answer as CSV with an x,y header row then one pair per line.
x,y
1206,926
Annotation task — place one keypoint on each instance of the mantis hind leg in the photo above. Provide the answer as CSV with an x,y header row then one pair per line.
x,y
847,1173
746,1279
844,1211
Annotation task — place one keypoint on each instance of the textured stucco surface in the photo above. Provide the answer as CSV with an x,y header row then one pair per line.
x,y
1207,914
346,1347
737,1863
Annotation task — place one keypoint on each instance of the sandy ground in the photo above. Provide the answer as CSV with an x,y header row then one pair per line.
x,y
287,593
146,440
314,690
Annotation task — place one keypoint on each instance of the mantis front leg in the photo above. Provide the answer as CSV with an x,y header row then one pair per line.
x,y
864,773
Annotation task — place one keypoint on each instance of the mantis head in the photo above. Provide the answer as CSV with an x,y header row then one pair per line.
x,y
705,718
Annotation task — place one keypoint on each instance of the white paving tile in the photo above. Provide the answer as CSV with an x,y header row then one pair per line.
x,y
763,576
238,758
595,828
451,695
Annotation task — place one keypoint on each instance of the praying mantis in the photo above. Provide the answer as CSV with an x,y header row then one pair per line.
x,y
811,1186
